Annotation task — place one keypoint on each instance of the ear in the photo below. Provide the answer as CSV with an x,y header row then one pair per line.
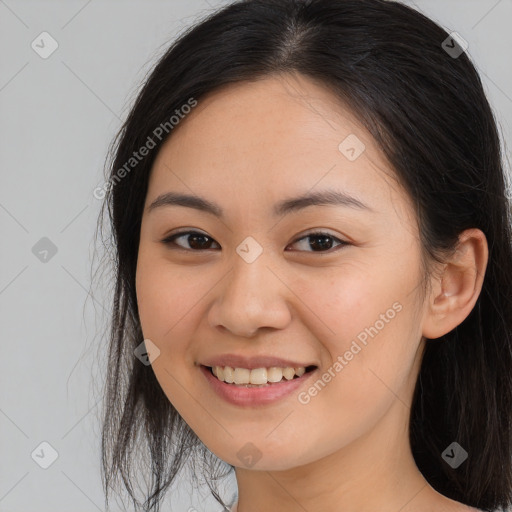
x,y
456,290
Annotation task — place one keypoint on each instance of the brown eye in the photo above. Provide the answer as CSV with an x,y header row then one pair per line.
x,y
320,241
196,241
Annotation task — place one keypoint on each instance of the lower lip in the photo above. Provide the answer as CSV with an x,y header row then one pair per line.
x,y
240,395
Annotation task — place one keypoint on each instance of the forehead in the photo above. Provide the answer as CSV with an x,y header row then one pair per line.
x,y
257,142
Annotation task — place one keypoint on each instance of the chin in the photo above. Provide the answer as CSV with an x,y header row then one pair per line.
x,y
250,457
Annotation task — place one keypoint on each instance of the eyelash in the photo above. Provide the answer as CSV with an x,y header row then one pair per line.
x,y
170,240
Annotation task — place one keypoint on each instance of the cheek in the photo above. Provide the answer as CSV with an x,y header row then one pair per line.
x,y
166,303
353,296
165,296
366,319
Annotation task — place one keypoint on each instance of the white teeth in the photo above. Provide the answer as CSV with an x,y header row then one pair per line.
x,y
228,375
274,374
256,376
300,371
241,376
289,373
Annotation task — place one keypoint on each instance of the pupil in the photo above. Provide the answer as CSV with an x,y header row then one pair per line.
x,y
193,241
324,244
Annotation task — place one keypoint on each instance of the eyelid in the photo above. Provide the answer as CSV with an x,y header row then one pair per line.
x,y
320,232
169,239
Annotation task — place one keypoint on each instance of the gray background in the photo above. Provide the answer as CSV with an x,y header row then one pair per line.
x,y
58,116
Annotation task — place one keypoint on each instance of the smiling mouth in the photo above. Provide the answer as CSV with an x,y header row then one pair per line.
x,y
270,377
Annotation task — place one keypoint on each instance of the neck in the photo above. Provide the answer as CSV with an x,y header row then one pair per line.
x,y
375,472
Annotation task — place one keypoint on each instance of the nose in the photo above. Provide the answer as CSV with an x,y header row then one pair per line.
x,y
252,296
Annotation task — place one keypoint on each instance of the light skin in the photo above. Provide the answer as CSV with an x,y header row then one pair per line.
x,y
245,148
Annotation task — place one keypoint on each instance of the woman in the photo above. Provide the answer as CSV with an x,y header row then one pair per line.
x,y
313,254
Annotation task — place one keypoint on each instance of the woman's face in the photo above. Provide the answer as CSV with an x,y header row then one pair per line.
x,y
253,283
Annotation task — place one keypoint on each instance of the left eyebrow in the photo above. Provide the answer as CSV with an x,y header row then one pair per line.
x,y
321,198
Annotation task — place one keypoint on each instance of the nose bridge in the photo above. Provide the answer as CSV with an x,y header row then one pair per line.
x,y
251,296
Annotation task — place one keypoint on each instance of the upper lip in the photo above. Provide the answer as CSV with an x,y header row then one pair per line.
x,y
238,361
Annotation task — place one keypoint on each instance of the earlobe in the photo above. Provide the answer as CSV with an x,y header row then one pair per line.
x,y
456,291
